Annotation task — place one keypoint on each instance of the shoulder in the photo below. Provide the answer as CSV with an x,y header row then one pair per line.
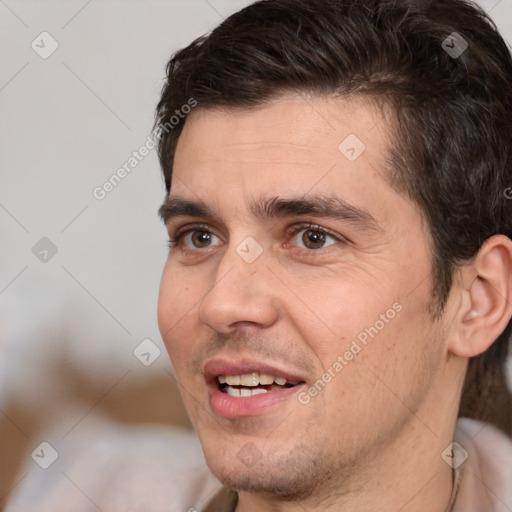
x,y
486,474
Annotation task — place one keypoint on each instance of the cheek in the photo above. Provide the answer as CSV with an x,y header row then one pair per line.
x,y
376,386
342,311
390,357
365,330
177,305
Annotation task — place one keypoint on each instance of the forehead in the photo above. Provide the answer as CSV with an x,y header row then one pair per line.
x,y
293,142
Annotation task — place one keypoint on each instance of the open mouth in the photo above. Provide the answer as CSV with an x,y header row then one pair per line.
x,y
250,384
242,388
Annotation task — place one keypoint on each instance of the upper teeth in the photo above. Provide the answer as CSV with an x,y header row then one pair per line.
x,y
251,379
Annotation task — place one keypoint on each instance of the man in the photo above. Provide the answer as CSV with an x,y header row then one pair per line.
x,y
340,253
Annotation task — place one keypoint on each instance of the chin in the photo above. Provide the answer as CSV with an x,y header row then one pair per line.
x,y
292,475
264,482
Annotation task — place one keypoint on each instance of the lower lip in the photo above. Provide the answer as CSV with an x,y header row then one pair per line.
x,y
233,407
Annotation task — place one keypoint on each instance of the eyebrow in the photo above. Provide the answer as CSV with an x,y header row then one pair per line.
x,y
276,207
180,207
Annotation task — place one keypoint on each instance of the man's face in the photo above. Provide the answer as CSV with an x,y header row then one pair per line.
x,y
300,267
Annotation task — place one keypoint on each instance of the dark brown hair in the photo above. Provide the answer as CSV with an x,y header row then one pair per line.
x,y
452,148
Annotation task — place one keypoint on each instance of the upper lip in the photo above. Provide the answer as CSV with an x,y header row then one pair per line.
x,y
219,366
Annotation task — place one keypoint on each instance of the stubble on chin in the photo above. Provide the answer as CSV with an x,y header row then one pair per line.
x,y
301,473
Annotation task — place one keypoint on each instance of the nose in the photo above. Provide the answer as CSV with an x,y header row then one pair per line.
x,y
243,295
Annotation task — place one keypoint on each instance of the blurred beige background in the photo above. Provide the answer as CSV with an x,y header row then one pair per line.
x,y
79,270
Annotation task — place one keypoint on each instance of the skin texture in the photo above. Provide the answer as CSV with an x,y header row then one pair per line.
x,y
373,436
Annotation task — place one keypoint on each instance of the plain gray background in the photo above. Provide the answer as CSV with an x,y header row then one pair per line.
x,y
70,325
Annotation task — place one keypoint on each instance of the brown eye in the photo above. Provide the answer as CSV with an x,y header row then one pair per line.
x,y
313,239
201,239
194,237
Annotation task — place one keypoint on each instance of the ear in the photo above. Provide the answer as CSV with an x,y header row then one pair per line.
x,y
485,306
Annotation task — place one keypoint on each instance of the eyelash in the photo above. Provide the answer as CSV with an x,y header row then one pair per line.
x,y
290,234
173,242
293,231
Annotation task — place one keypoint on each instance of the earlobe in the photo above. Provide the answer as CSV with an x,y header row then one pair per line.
x,y
486,305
